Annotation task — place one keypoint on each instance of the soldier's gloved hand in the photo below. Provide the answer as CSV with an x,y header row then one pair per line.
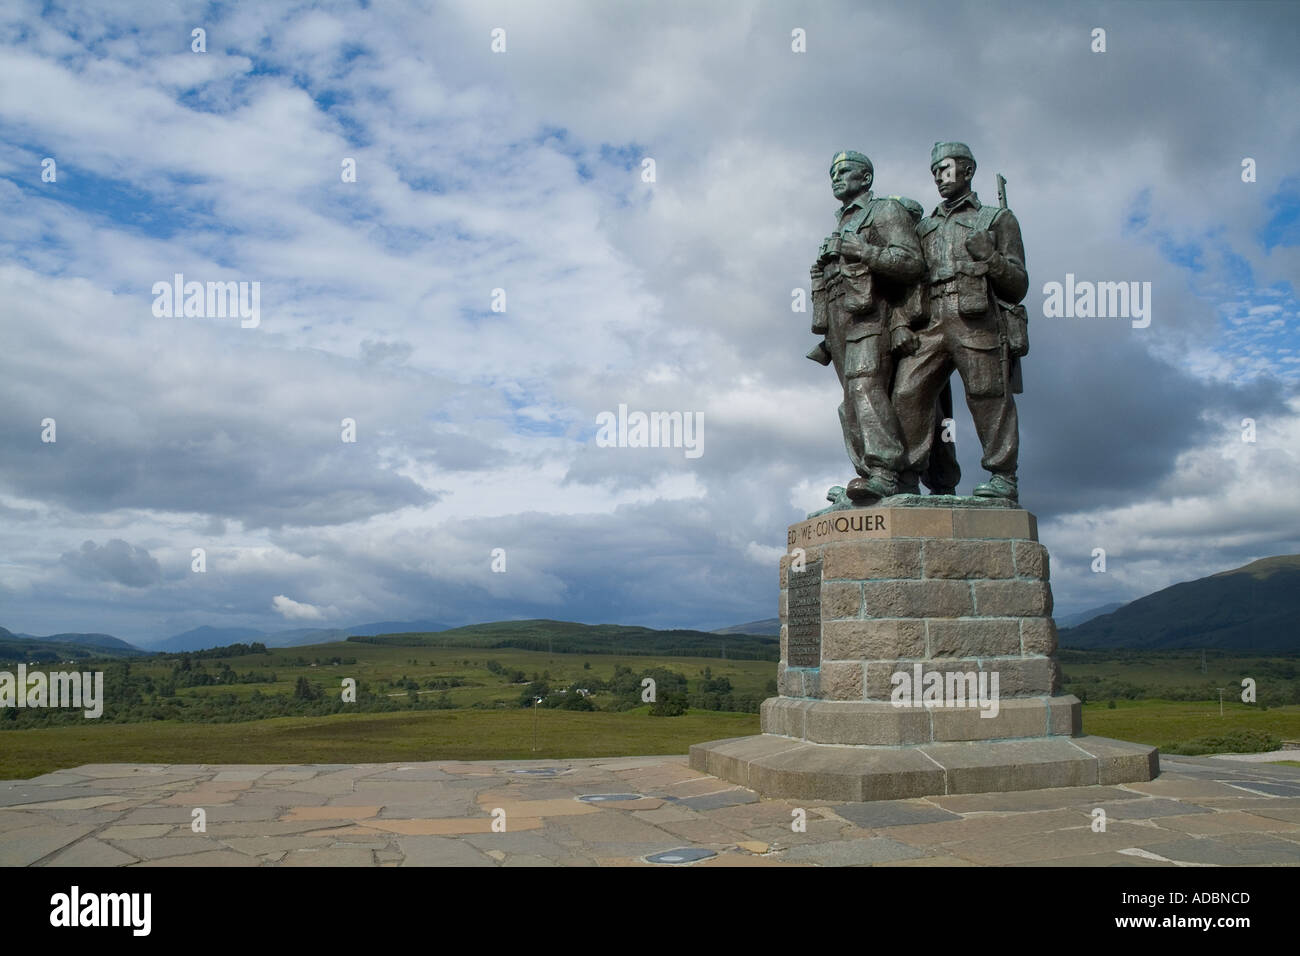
x,y
852,247
980,245
904,340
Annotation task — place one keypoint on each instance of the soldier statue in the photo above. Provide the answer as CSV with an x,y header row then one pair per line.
x,y
971,321
866,275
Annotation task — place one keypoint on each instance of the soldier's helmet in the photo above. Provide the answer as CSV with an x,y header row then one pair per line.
x,y
851,156
942,151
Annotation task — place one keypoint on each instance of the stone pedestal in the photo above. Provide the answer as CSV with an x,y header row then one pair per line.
x,y
917,658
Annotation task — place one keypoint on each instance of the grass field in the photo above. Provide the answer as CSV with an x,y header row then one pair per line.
x,y
369,738
1160,722
488,723
383,667
508,734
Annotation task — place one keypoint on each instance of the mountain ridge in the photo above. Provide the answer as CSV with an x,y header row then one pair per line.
x,y
1253,608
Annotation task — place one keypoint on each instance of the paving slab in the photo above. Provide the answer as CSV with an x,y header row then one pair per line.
x,y
850,852
30,844
892,813
817,831
19,819
413,772
54,778
1182,788
1269,787
1149,808
1218,851
745,816
1228,821
441,851
982,826
136,831
278,798
74,803
704,833
524,859
997,849
14,793
532,842
454,825
666,813
1033,799
456,805
258,846
1198,812
156,848
609,828
329,856
208,859
90,852
1272,755
1288,814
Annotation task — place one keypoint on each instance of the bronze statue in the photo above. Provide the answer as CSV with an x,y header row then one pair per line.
x,y
864,287
973,322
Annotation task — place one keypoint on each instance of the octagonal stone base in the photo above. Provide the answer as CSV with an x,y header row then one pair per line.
x,y
875,603
876,723
783,767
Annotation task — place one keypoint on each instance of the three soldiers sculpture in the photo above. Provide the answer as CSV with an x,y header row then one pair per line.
x,y
902,301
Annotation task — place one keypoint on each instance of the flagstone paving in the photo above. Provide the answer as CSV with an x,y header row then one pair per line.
x,y
649,811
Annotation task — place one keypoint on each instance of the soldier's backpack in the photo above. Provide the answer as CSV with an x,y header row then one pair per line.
x,y
1015,319
908,308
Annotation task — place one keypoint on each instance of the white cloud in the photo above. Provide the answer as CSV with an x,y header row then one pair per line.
x,y
295,610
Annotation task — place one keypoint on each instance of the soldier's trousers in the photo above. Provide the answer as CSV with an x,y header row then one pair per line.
x,y
921,375
943,470
863,364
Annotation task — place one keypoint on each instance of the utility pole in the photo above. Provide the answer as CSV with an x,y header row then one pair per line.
x,y
1220,701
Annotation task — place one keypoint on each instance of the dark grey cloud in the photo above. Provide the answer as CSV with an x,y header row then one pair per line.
x,y
115,560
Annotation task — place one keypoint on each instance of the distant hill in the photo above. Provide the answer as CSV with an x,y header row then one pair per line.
x,y
60,647
566,637
1082,617
202,638
1255,608
771,627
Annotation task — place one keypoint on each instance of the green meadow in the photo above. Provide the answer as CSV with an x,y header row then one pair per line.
x,y
421,701
369,738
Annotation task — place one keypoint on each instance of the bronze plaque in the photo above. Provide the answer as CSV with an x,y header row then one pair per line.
x,y
804,617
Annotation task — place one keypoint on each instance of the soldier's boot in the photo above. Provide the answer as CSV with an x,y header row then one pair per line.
x,y
879,484
1000,486
909,483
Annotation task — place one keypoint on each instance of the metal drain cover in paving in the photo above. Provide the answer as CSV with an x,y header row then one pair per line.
x,y
684,855
608,797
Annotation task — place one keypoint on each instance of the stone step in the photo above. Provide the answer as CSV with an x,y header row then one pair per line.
x,y
781,767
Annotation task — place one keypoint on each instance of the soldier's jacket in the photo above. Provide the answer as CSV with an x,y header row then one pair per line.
x,y
857,288
943,237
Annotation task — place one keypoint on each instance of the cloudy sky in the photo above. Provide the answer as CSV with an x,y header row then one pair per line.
x,y
524,171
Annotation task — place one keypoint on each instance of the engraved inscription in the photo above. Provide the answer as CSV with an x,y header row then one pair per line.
x,y
838,527
804,619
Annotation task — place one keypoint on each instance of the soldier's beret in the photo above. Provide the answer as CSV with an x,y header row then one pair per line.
x,y
944,151
852,156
